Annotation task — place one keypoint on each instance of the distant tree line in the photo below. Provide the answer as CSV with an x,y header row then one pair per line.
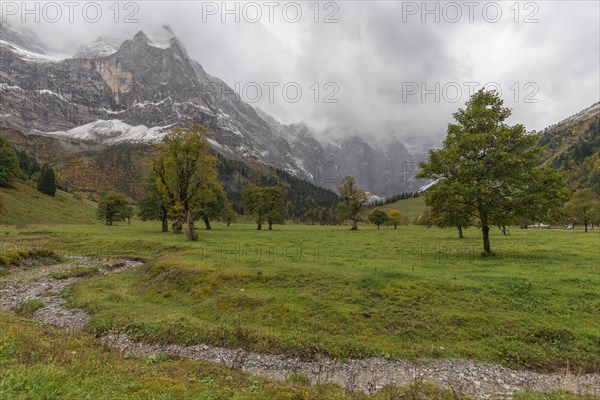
x,y
300,195
393,199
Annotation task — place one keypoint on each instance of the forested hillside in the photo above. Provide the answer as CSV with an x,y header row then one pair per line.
x,y
93,168
300,194
573,145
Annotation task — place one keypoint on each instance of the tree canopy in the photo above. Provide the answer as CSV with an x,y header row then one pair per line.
x,y
153,206
47,181
184,169
378,218
9,164
352,201
266,204
394,218
211,203
253,204
490,169
113,207
584,207
447,211
229,215
275,205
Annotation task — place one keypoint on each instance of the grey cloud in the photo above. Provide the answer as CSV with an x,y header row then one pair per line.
x,y
371,52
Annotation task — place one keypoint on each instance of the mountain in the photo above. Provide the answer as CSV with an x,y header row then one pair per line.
x,y
573,146
21,41
337,152
136,93
100,47
133,92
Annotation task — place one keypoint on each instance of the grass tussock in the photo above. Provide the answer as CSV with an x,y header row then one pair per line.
x,y
77,272
17,257
28,308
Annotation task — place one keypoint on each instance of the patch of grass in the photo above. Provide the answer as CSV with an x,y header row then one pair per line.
x,y
410,208
16,256
27,308
76,272
25,205
298,379
555,395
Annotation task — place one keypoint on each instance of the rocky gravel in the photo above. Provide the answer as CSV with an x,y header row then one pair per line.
x,y
36,283
484,381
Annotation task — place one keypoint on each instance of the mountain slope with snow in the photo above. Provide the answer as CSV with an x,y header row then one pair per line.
x,y
135,90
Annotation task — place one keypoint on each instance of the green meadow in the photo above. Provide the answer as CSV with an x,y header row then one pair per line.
x,y
412,292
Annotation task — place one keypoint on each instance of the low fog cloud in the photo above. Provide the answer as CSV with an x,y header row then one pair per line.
x,y
376,66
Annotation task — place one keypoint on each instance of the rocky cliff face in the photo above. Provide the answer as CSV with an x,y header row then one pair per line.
x,y
136,91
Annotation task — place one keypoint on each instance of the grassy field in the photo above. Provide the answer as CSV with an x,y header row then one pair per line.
x,y
306,290
410,208
25,205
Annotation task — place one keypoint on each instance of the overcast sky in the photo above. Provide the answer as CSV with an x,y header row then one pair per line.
x,y
374,57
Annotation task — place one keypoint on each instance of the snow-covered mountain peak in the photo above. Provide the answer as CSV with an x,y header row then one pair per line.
x,y
21,38
25,45
162,38
100,47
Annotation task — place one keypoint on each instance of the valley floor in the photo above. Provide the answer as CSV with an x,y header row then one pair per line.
x,y
203,300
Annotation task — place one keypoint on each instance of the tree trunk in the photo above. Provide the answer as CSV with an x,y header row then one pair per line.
x,y
585,223
165,219
270,226
109,221
128,220
191,233
503,230
228,222
178,225
485,230
259,226
460,232
354,225
395,226
207,223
